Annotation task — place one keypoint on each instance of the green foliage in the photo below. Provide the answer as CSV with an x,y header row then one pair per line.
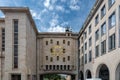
x,y
53,77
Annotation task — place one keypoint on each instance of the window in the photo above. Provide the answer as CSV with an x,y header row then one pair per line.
x,y
82,49
103,47
57,42
86,46
103,29
85,58
103,11
57,58
50,67
68,67
90,56
46,57
97,35
51,50
51,59
82,60
97,51
46,67
63,59
15,53
85,35
90,41
63,41
51,41
3,39
112,20
68,43
54,67
68,58
46,42
112,42
96,19
57,67
61,67
90,29
81,40
63,50
64,67
111,2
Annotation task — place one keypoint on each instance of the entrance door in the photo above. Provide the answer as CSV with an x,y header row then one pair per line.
x,y
15,77
104,72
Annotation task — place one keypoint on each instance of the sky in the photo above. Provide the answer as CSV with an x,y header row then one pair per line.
x,y
55,15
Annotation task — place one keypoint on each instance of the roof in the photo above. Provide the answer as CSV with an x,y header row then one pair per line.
x,y
57,34
20,9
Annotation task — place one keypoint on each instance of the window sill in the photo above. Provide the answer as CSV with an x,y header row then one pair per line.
x,y
102,16
110,27
103,53
111,49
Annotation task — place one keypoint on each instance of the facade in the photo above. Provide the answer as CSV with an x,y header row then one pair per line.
x,y
18,44
57,54
26,54
99,42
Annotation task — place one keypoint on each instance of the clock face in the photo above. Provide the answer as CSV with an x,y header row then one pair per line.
x,y
57,50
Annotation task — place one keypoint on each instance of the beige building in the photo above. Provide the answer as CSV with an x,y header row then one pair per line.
x,y
99,42
26,54
57,53
17,44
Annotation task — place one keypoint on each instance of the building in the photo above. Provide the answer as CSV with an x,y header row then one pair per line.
x,y
99,42
57,53
17,44
26,54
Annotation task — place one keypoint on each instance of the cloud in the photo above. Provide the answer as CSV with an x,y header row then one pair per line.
x,y
47,3
56,29
53,22
35,15
60,8
65,24
74,5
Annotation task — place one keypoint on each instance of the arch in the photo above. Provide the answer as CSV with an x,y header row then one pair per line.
x,y
81,75
117,72
88,74
103,72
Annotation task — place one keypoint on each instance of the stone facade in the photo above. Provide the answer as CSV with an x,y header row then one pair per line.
x,y
109,59
57,53
91,53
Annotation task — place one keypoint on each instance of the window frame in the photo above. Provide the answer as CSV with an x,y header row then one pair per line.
x,y
103,26
110,20
102,11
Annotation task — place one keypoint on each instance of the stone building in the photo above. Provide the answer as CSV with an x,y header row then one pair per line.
x,y
99,42
26,54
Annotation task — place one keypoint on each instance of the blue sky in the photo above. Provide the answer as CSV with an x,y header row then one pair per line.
x,y
55,15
